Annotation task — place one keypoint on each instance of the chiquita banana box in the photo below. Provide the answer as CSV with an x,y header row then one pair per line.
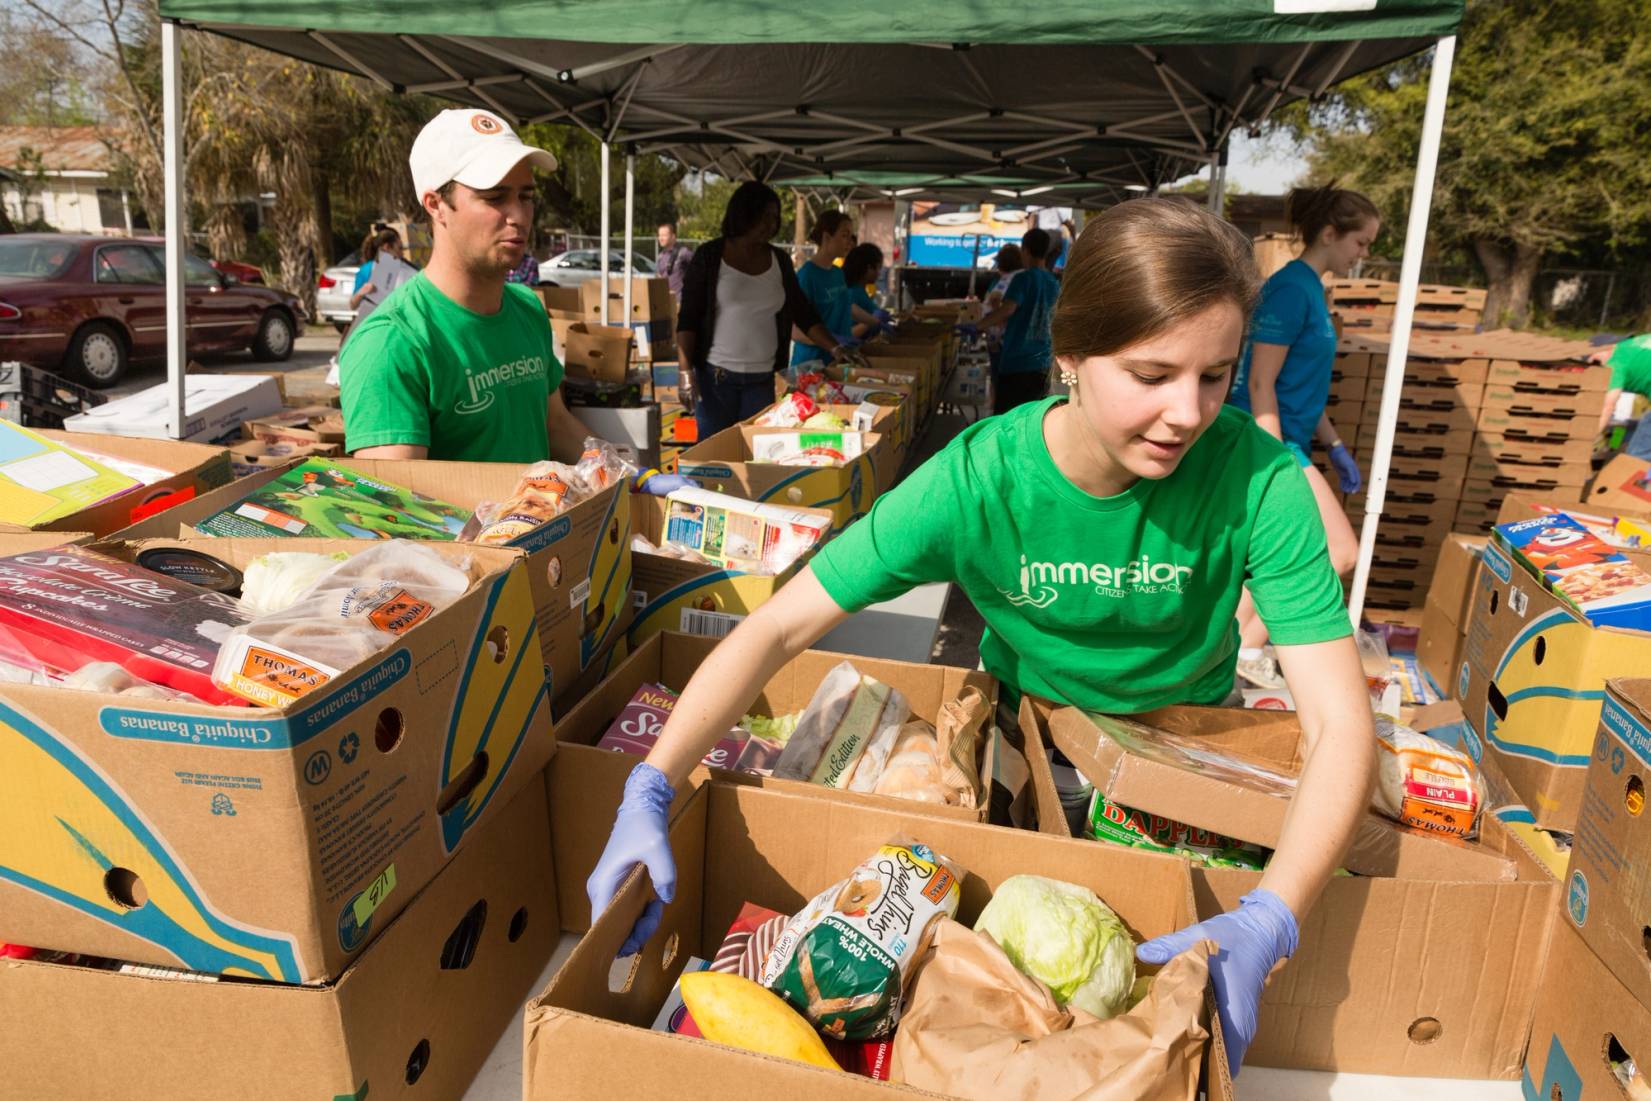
x,y
1532,678
724,463
262,842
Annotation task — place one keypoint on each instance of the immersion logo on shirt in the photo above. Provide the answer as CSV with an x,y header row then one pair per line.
x,y
480,384
1038,580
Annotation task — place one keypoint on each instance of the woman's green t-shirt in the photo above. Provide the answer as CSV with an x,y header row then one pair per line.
x,y
1118,604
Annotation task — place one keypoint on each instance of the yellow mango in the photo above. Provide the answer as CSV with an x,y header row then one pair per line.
x,y
735,1011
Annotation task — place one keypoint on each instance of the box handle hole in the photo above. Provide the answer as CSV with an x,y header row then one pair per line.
x,y
672,943
1498,702
462,942
1425,1030
463,784
518,925
1495,601
418,1061
126,888
622,973
498,644
1540,653
388,731
1633,798
1626,1072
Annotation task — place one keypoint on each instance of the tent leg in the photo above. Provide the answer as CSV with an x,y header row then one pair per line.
x,y
1214,194
1218,200
602,259
177,344
630,229
1410,277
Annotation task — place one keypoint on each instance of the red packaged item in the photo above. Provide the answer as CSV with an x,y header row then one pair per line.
x,y
638,727
749,941
64,608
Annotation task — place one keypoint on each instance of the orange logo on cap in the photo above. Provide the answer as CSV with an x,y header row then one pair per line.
x,y
486,124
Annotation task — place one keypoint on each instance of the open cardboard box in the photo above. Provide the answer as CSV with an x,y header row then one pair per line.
x,y
415,1015
1532,676
1150,778
672,594
578,564
587,1036
723,463
193,469
261,842
672,659
1624,485
895,422
1414,975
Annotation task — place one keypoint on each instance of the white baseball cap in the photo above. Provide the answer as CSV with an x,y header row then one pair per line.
x,y
476,148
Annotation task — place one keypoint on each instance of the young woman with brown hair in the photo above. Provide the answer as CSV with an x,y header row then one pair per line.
x,y
1283,377
1105,540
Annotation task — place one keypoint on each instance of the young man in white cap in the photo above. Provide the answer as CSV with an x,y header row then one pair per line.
x,y
457,364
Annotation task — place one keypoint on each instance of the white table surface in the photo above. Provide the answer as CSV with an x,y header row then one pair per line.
x,y
903,629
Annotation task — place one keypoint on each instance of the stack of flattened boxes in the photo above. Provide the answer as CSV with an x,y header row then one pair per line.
x,y
1443,309
1537,426
1365,304
1439,406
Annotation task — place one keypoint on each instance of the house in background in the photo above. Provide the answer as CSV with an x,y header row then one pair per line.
x,y
72,189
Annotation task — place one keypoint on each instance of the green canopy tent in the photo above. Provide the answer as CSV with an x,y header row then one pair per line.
x,y
1063,92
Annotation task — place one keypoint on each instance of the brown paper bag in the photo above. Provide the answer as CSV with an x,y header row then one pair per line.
x,y
975,1027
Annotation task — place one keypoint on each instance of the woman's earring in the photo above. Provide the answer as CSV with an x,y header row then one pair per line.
x,y
1069,378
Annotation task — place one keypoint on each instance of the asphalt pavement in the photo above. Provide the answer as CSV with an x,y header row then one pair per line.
x,y
313,349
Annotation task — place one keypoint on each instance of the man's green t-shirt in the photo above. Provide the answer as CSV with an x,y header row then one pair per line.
x,y
1121,603
1631,365
426,371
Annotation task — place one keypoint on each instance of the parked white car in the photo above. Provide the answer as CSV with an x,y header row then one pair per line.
x,y
333,290
583,264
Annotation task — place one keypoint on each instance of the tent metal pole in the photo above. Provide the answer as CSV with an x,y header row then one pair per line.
x,y
177,232
1214,195
1410,277
630,228
607,215
353,62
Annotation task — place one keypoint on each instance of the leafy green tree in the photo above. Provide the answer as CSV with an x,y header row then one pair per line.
x,y
1545,147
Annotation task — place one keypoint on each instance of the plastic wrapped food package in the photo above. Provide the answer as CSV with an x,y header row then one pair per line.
x,y
736,534
847,713
351,614
274,582
844,961
939,764
1422,782
544,491
790,412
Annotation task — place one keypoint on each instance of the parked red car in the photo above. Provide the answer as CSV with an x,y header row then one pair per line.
x,y
89,306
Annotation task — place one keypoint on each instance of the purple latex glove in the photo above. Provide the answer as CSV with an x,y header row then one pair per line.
x,y
640,836
1347,468
652,481
1252,939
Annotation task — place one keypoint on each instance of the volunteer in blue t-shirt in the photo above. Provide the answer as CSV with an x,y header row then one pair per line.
x,y
861,268
1283,379
1023,361
822,281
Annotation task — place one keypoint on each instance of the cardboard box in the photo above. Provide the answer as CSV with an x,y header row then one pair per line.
x,y
312,424
422,1007
734,844
1513,449
1606,891
1147,776
1537,425
578,565
215,407
1559,400
634,431
1453,583
269,843
675,595
1531,680
650,300
1427,416
1478,517
723,463
253,457
1624,484
600,352
1512,474
671,659
191,469
1347,388
1586,1025
1341,1005
1437,386
1414,489
1570,378
1439,646
1417,459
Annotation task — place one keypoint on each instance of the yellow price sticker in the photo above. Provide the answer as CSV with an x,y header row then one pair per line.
x,y
373,897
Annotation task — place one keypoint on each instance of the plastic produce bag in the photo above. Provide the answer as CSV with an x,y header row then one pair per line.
x,y
349,615
546,490
1422,782
844,961
847,713
975,1027
790,412
274,582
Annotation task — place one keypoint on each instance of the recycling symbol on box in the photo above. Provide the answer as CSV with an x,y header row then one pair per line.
x,y
348,747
